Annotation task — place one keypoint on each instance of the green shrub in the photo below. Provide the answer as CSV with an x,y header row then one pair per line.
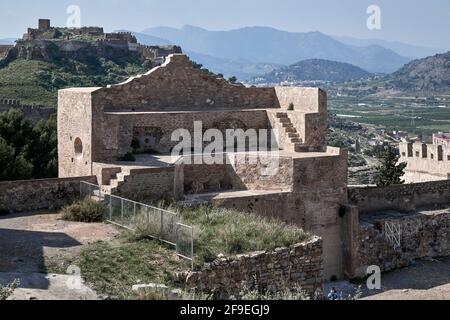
x,y
291,107
6,292
84,211
221,231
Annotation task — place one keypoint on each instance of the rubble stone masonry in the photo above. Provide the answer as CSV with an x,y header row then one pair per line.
x,y
280,269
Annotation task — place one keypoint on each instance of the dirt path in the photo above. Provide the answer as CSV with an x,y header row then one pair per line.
x,y
427,279
29,240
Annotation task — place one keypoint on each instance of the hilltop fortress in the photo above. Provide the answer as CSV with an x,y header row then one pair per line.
x,y
48,43
359,227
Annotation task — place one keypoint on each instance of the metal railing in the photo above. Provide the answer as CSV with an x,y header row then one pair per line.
x,y
157,223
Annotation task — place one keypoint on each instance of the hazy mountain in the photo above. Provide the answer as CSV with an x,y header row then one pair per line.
x,y
268,45
315,70
402,49
431,74
243,70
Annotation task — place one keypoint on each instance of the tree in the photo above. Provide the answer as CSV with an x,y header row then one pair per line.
x,y
232,80
27,152
390,171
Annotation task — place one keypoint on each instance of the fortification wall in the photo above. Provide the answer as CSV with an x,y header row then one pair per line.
x,y
320,189
30,195
114,134
152,184
33,113
407,197
4,50
178,86
425,162
422,235
75,133
283,268
393,240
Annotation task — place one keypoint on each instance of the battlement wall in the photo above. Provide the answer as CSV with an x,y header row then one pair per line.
x,y
425,162
30,112
406,197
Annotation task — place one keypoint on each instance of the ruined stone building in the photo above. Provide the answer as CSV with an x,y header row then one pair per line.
x,y
425,162
49,43
96,127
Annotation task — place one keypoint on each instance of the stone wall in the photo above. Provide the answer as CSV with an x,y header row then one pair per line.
x,y
423,234
425,162
284,206
74,124
147,185
115,133
177,85
33,113
320,189
406,197
283,268
30,195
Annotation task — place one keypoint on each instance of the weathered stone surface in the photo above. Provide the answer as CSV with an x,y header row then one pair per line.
x,y
19,196
283,268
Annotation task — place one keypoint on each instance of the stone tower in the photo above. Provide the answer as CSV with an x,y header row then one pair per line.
x,y
44,25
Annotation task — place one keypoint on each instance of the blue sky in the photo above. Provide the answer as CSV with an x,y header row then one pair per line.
x,y
419,22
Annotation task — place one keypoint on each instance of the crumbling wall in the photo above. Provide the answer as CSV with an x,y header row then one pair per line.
x,y
425,162
30,195
281,269
407,197
177,85
33,113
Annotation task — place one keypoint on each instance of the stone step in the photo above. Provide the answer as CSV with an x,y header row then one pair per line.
x,y
290,130
302,148
282,115
293,135
285,120
296,140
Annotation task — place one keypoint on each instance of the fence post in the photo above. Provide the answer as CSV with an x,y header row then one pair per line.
x,y
81,191
121,210
177,239
192,248
110,208
162,225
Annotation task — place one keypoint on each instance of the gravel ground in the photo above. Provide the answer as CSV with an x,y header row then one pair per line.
x,y
427,279
30,240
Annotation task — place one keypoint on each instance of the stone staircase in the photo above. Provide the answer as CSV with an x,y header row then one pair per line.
x,y
293,142
116,180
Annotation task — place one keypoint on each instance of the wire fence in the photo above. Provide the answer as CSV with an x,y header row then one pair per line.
x,y
158,223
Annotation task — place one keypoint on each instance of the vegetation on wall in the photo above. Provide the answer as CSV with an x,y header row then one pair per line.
x,y
27,152
390,171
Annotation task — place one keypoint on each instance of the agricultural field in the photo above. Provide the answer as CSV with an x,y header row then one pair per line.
x,y
413,115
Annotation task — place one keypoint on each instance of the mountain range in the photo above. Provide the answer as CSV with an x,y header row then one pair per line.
x,y
401,48
314,70
271,46
431,74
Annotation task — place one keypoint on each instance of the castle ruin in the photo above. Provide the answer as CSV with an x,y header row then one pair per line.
x,y
96,127
425,162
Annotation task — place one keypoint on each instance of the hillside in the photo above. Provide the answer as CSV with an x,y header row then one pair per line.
x,y
53,58
314,70
37,82
431,74
268,45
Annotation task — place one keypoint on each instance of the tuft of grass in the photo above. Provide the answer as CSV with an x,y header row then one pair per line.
x,y
8,290
114,269
85,210
222,231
